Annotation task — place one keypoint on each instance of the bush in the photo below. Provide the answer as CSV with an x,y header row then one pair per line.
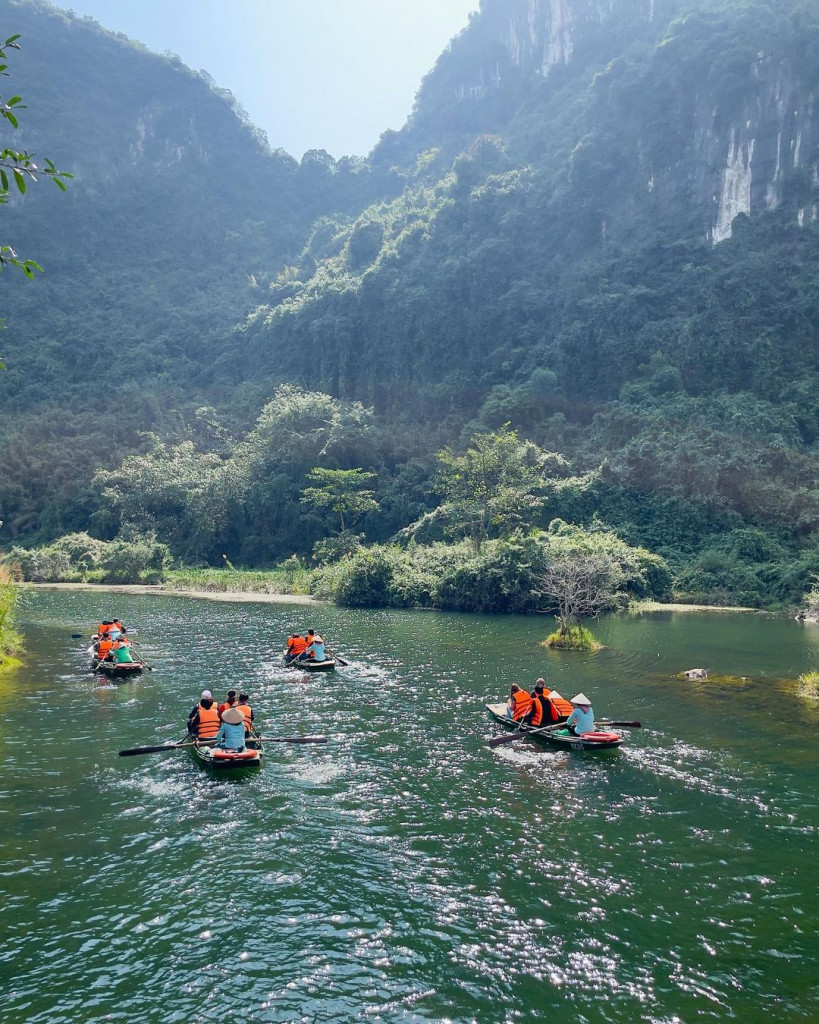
x,y
365,579
137,560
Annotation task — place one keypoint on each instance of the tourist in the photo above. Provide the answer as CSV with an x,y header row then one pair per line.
x,y
519,704
582,717
543,710
296,646
247,711
203,721
229,702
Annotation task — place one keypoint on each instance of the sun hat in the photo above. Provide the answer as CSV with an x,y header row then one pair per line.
x,y
233,716
581,698
207,695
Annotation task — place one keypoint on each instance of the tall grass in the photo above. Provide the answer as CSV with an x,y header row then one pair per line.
x,y
11,642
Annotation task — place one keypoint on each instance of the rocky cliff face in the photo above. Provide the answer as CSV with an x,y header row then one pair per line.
x,y
721,115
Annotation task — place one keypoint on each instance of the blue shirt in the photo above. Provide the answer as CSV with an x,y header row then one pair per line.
x,y
583,721
317,647
231,737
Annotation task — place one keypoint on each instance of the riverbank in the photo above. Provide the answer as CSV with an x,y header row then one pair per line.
x,y
205,595
657,606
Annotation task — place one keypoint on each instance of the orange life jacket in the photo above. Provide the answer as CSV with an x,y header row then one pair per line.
x,y
549,713
103,628
209,722
537,711
521,704
103,647
247,712
564,708
298,645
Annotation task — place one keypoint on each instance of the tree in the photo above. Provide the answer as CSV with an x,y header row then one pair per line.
x,y
587,572
495,487
340,491
20,167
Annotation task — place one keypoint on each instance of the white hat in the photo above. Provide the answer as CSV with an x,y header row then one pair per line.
x,y
581,698
233,716
207,695
554,693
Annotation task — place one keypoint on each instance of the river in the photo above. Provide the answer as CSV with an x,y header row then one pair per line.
x,y
405,871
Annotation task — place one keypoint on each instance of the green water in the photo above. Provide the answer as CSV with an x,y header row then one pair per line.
x,y
406,871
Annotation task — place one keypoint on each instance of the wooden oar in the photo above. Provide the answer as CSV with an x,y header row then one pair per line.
x,y
292,739
509,737
155,750
336,657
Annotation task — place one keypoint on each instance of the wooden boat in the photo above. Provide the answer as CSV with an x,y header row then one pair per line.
x,y
220,760
117,669
558,735
309,665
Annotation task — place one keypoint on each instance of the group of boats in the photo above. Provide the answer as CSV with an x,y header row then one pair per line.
x,y
606,735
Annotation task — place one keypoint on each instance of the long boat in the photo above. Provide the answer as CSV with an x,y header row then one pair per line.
x,y
220,760
557,735
309,664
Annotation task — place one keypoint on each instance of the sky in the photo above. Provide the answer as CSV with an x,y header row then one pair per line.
x,y
313,74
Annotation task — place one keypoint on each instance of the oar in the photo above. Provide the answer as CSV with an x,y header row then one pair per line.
x,y
335,657
292,739
154,750
509,737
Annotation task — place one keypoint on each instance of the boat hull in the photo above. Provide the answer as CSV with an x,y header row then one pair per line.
x,y
217,760
121,670
557,735
328,665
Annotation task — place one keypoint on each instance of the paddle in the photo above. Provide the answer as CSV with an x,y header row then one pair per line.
x,y
292,739
154,750
509,737
336,657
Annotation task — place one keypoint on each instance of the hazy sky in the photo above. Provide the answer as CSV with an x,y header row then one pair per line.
x,y
314,74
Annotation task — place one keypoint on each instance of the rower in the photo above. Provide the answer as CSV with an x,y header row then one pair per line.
x,y
315,646
582,718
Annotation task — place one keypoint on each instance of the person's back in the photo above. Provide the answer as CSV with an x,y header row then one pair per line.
x,y
247,711
582,717
316,648
229,702
122,653
104,648
298,646
520,703
231,734
204,722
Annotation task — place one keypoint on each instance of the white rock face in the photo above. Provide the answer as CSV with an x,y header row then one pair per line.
x,y
559,46
736,187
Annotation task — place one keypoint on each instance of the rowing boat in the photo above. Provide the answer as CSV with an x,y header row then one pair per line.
x,y
309,664
117,669
220,760
557,735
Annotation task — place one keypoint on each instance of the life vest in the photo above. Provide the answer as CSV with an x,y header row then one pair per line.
x,y
103,628
537,711
116,624
564,708
104,647
297,646
248,713
209,722
225,705
521,705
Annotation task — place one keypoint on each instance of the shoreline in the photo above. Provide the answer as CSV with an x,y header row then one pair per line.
x,y
637,608
158,589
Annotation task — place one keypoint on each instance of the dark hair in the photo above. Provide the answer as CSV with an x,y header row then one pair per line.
x,y
244,696
231,693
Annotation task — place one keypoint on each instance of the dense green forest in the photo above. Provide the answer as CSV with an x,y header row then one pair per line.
x,y
609,249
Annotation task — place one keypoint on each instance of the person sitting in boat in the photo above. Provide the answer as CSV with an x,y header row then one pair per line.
x,y
315,646
121,651
564,707
247,711
231,734
102,648
582,717
203,721
296,646
230,702
519,704
543,710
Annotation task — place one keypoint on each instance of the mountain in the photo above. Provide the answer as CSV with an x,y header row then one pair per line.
x,y
600,224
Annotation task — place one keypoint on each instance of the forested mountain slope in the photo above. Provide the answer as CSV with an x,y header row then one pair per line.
x,y
599,225
178,209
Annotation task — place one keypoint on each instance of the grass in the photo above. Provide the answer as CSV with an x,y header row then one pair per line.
x,y
573,638
284,579
808,686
